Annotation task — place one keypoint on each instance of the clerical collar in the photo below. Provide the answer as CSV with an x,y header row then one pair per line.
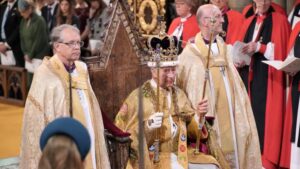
x,y
260,18
183,19
207,41
71,68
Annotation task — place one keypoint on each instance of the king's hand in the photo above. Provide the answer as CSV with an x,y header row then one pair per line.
x,y
155,120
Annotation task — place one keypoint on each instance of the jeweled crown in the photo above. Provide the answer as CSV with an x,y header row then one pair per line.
x,y
163,50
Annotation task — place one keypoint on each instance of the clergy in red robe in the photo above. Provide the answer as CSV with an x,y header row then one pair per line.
x,y
232,21
185,26
294,16
290,153
266,35
250,9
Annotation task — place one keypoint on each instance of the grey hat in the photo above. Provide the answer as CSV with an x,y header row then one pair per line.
x,y
24,5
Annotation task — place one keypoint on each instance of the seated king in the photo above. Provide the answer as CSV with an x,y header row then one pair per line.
x,y
168,117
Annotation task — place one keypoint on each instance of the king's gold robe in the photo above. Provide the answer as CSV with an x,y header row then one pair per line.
x,y
127,120
228,100
48,98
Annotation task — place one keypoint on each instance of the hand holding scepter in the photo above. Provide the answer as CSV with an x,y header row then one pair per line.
x,y
201,116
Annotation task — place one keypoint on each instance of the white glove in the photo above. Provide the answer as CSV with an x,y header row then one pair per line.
x,y
155,120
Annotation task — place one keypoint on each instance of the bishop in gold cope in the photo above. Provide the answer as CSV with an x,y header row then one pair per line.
x,y
234,125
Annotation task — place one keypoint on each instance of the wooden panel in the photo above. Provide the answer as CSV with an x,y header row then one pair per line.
x,y
122,75
13,85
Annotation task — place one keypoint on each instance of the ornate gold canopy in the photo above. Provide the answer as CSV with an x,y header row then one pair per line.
x,y
147,15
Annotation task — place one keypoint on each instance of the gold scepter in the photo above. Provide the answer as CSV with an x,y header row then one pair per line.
x,y
156,140
201,118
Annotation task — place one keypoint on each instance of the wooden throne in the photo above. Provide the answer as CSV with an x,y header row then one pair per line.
x,y
121,65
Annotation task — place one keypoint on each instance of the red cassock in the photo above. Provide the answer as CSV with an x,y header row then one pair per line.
x,y
235,20
286,144
276,7
275,99
190,28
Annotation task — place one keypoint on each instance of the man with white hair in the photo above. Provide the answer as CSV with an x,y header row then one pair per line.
x,y
212,74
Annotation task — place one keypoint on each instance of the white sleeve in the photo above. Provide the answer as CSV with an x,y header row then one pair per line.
x,y
269,53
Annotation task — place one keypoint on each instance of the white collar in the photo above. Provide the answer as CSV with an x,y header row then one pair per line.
x,y
153,83
183,19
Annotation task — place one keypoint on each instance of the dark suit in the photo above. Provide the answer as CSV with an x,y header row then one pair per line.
x,y
11,29
49,19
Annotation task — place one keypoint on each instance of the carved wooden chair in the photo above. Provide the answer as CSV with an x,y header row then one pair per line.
x,y
118,144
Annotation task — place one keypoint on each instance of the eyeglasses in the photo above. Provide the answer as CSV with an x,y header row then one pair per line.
x,y
73,44
218,16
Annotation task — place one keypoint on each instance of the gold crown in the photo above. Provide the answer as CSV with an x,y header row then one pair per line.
x,y
162,50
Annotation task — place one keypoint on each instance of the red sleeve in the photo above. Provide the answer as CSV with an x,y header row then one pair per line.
x,y
235,20
173,25
262,48
275,107
244,28
286,143
191,28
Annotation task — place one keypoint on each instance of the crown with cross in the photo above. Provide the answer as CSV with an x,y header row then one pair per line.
x,y
163,50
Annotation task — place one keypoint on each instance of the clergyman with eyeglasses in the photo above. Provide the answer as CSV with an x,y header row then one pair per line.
x,y
49,98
